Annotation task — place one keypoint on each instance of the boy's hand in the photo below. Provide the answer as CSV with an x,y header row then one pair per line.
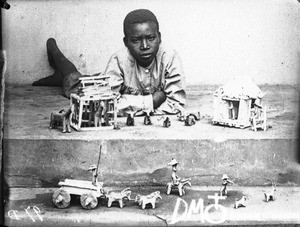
x,y
158,98
135,102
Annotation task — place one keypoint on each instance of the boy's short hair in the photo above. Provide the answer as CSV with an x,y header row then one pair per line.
x,y
139,16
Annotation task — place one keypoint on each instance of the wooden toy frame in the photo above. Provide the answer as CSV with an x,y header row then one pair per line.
x,y
95,106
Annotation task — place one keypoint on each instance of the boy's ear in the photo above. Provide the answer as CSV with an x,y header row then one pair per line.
x,y
159,35
125,41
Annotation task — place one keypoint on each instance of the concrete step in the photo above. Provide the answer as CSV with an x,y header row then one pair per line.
x,y
35,156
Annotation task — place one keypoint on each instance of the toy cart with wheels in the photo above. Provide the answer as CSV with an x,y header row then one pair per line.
x,y
88,193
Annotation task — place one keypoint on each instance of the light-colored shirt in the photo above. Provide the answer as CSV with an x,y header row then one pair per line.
x,y
165,74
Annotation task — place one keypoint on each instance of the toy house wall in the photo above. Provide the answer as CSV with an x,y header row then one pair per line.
x,y
217,39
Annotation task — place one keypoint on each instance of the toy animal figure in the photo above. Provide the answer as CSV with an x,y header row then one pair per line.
x,y
225,181
101,108
118,196
177,182
130,118
190,120
269,196
189,117
62,118
240,202
143,200
167,122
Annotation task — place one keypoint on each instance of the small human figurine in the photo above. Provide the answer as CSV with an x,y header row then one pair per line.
x,y
100,109
130,118
167,122
225,181
117,126
231,110
269,195
258,117
177,182
147,119
93,169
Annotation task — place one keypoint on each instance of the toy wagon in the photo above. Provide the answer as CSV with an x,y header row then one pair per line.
x,y
88,193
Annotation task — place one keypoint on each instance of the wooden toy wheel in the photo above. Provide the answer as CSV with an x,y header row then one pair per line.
x,y
88,201
61,198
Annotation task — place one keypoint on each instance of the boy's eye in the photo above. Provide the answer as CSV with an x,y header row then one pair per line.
x,y
151,38
135,40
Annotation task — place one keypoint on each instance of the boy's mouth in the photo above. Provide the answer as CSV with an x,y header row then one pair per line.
x,y
145,56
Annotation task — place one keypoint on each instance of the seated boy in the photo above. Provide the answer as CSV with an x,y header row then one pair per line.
x,y
145,73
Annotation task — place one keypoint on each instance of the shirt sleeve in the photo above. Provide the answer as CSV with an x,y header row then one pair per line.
x,y
174,85
115,73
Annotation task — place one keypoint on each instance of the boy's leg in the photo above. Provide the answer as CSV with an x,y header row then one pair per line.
x,y
66,74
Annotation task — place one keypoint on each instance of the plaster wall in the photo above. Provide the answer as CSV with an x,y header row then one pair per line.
x,y
217,39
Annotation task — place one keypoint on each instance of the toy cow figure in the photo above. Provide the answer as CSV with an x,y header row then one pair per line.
x,y
143,200
62,118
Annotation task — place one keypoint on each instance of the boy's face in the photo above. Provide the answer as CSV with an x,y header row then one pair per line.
x,y
143,41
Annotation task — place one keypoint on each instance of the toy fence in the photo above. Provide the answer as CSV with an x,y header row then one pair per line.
x,y
234,112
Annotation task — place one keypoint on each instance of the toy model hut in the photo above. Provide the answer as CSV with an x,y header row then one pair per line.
x,y
95,105
234,101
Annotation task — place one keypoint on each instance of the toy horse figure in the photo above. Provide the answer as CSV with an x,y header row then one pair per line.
x,y
177,182
180,186
118,196
143,200
61,118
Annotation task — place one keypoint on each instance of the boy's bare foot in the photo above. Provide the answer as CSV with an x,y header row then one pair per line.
x,y
55,80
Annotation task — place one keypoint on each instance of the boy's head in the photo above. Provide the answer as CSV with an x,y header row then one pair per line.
x,y
141,35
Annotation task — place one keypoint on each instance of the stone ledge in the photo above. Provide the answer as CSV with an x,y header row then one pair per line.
x,y
36,156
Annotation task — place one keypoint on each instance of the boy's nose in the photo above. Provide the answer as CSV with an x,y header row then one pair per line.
x,y
144,44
